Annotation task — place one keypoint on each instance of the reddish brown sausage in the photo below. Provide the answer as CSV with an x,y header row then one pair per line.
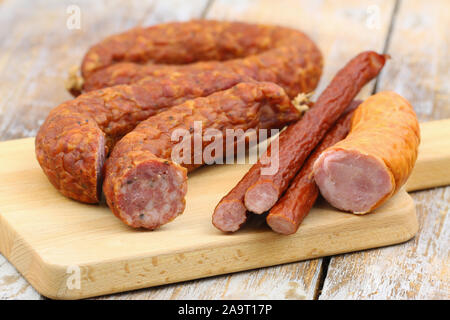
x,y
76,137
266,53
361,172
230,213
302,137
74,140
144,187
288,213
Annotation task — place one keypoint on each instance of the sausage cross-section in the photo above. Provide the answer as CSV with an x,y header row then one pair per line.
x,y
299,139
288,213
361,172
144,187
182,61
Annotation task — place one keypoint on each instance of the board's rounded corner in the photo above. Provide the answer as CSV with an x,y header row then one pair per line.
x,y
409,220
58,281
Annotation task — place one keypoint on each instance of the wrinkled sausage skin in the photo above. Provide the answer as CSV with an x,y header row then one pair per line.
x,y
288,213
361,172
299,139
78,135
74,140
144,187
266,53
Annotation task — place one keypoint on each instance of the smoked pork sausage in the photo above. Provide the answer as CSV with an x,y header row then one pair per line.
x,y
144,187
299,139
266,53
75,139
288,213
361,172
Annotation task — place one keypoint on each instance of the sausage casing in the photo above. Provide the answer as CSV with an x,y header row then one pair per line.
x,y
361,172
288,213
144,187
299,139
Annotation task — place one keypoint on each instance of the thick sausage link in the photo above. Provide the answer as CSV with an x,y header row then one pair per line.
x,y
288,213
266,53
299,139
74,140
365,169
144,188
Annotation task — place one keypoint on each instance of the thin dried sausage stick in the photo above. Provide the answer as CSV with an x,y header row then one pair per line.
x,y
288,213
266,53
144,188
302,137
230,213
361,172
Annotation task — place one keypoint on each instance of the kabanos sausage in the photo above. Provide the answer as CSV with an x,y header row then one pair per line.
x,y
230,213
74,140
266,53
288,213
144,187
299,139
365,169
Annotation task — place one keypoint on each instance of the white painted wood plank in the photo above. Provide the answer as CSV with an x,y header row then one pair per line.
x,y
291,281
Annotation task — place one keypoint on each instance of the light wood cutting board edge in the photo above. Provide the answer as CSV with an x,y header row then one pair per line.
x,y
50,279
432,167
392,226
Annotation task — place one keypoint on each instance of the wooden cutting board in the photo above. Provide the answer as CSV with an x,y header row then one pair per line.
x,y
69,250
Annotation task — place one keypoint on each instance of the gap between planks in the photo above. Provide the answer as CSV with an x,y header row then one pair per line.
x,y
388,38
326,260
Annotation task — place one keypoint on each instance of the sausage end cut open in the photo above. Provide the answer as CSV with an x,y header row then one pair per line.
x,y
261,196
352,181
151,194
359,173
229,215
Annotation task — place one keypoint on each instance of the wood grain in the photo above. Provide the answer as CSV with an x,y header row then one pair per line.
x,y
433,163
45,234
419,269
37,52
289,281
338,45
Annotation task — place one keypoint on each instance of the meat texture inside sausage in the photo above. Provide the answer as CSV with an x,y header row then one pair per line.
x,y
76,137
299,139
183,61
288,213
144,187
362,171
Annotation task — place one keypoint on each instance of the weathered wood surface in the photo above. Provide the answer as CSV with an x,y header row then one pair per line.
x,y
38,51
420,268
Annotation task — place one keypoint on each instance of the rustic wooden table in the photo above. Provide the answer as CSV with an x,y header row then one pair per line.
x,y
40,41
